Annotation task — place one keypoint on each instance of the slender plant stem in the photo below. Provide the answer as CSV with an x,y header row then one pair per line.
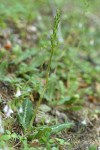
x,y
53,45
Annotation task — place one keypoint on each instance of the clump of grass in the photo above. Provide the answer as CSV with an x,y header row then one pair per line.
x,y
53,45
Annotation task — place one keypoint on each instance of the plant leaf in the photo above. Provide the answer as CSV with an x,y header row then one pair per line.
x,y
26,115
60,127
43,134
5,137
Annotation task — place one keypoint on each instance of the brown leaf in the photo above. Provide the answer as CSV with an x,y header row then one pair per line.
x,y
8,45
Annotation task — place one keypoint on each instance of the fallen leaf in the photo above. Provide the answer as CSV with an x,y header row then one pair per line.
x,y
8,45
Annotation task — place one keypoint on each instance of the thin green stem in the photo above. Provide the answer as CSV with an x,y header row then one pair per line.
x,y
53,45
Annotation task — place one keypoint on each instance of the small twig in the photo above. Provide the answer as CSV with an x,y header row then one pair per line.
x,y
16,144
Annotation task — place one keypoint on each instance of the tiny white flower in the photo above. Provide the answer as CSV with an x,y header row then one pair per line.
x,y
6,108
84,122
8,111
91,42
98,148
18,93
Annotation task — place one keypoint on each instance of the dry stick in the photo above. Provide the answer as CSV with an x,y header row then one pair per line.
x,y
53,44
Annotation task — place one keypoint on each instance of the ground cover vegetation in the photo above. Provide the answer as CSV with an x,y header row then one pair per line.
x,y
49,75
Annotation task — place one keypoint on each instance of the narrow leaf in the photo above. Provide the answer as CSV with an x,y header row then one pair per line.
x,y
60,127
